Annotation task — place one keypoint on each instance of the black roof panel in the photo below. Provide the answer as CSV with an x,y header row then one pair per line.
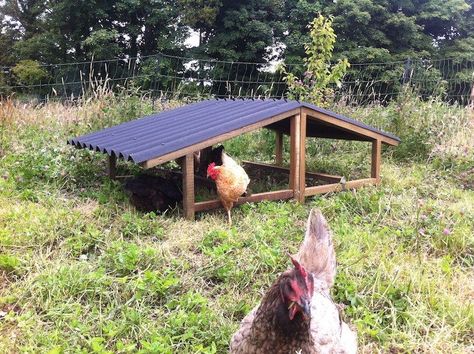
x,y
159,134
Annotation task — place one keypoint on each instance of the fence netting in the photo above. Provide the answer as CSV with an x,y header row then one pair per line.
x,y
167,76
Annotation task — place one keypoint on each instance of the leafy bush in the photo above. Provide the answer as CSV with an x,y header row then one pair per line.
x,y
320,74
29,72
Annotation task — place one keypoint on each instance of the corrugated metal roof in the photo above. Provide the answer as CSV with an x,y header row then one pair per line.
x,y
159,134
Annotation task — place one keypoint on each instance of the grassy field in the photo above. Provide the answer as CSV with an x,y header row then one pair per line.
x,y
82,271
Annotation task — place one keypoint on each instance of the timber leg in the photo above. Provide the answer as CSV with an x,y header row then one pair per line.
x,y
295,155
188,186
278,148
376,159
302,158
112,166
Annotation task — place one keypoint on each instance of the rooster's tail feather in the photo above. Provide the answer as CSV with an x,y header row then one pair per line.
x,y
316,253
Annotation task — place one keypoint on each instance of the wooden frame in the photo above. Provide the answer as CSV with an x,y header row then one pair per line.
x,y
188,186
350,127
318,175
258,197
278,148
376,159
112,166
337,187
297,172
302,158
294,182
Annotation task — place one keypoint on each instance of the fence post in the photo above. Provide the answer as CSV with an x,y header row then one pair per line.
x,y
407,71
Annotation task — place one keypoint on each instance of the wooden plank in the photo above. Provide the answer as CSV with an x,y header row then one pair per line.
x,y
337,187
376,160
349,126
218,139
278,148
188,186
254,198
295,155
112,166
318,175
302,157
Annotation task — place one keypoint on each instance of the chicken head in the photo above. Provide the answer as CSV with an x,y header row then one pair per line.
x,y
296,292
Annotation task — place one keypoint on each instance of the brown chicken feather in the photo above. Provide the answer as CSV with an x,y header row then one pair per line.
x,y
231,181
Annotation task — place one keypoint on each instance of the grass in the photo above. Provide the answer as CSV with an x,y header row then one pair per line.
x,y
82,271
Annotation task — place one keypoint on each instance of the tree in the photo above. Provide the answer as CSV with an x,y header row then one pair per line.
x,y
294,30
244,30
320,74
200,15
67,30
380,30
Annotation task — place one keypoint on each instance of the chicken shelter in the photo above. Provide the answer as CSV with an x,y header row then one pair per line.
x,y
178,133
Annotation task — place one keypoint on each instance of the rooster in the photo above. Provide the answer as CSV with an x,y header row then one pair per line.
x,y
297,314
231,181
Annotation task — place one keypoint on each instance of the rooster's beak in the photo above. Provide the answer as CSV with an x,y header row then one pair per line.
x,y
305,307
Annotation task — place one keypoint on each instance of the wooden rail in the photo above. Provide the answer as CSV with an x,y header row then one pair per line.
x,y
337,187
321,176
258,197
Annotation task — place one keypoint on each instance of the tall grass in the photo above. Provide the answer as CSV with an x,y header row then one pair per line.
x,y
82,271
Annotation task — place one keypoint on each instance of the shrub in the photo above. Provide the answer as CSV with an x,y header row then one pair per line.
x,y
320,74
29,72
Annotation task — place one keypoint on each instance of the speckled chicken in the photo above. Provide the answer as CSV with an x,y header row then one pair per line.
x,y
231,181
297,314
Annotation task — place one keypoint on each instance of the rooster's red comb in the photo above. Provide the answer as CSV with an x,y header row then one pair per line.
x,y
211,167
298,267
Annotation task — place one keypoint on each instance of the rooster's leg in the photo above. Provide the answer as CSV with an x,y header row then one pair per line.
x,y
229,217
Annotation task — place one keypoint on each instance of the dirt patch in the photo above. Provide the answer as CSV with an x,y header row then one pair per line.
x,y
87,208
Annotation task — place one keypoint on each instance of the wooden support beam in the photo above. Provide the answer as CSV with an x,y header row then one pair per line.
x,y
278,148
337,187
112,166
350,127
302,157
188,186
254,198
295,155
316,175
376,159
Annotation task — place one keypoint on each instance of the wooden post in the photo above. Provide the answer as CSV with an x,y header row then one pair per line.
x,y
188,186
302,157
278,148
295,155
376,159
112,166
